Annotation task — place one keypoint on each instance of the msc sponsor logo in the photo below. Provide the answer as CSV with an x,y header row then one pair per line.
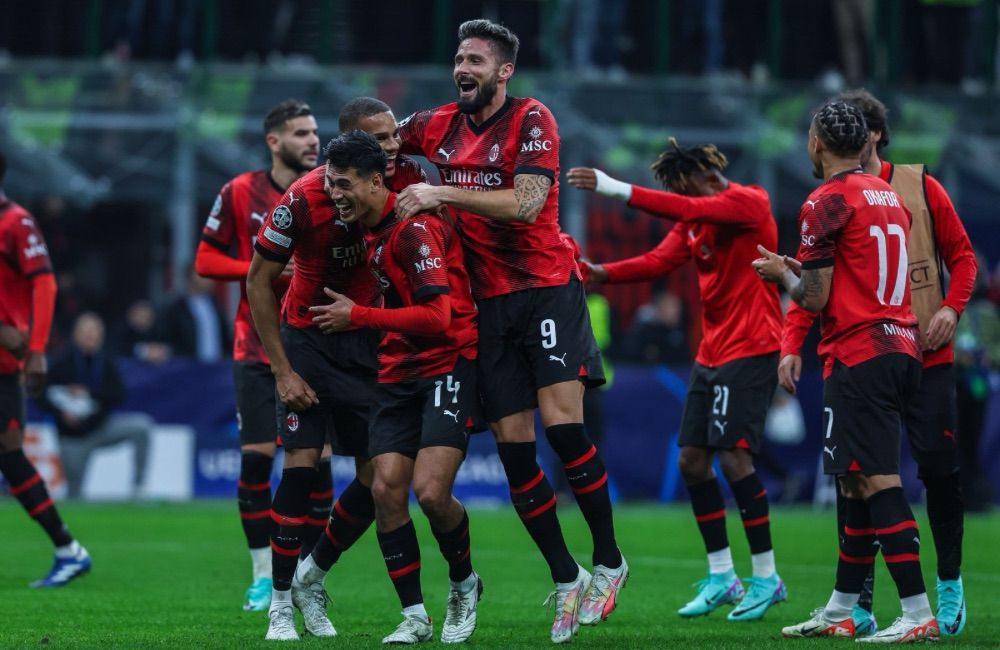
x,y
882,197
429,263
471,179
35,248
536,145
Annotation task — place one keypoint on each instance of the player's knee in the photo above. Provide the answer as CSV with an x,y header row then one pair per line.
x,y
10,440
694,464
433,497
387,494
736,464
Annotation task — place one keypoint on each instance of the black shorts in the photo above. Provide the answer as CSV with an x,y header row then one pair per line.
x,y
342,369
726,406
437,411
531,339
862,413
11,402
930,418
256,404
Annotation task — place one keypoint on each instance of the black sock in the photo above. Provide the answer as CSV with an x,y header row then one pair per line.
x,y
751,497
946,511
291,501
253,496
402,559
320,501
456,549
535,502
899,538
857,547
589,481
865,599
27,486
351,516
710,513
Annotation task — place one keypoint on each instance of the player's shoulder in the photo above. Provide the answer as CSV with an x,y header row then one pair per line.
x,y
408,165
529,106
444,112
13,214
248,180
308,186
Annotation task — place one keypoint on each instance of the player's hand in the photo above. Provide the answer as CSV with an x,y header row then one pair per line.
x,y
770,266
789,371
582,178
941,328
35,369
14,341
294,392
595,272
335,317
417,198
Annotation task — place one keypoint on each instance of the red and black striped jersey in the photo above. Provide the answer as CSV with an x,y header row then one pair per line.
x,y
413,260
520,138
741,316
23,255
408,172
238,212
325,251
857,223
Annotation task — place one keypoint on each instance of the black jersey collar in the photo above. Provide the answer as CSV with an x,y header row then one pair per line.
x,y
493,119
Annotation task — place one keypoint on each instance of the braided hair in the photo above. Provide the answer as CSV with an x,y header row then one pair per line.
x,y
841,127
676,165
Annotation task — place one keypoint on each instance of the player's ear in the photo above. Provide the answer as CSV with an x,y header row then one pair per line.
x,y
506,71
272,140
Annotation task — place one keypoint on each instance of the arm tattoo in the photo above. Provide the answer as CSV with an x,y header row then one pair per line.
x,y
530,191
810,285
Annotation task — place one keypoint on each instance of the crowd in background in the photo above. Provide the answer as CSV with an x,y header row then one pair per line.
x,y
899,41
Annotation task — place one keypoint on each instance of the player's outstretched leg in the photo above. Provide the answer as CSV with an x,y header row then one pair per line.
x,y
28,487
588,479
721,586
766,587
253,494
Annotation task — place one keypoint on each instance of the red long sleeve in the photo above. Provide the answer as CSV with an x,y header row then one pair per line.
x,y
953,244
211,262
667,256
796,327
735,205
43,304
431,317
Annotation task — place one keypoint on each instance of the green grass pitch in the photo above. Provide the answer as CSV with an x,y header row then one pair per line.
x,y
172,576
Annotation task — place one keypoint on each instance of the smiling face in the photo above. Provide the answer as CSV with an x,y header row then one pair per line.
x,y
478,74
354,196
382,126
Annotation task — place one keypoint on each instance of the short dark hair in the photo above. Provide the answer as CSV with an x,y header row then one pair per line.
x,y
356,150
841,127
675,166
3,167
503,41
874,111
358,109
286,110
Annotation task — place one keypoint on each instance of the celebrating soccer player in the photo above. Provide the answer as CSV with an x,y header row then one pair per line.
x,y
498,157
426,400
852,268
719,223
26,304
936,235
224,253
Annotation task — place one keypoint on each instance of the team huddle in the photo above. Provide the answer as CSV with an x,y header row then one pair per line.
x,y
389,319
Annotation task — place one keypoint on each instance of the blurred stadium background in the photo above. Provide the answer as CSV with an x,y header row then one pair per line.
x,y
121,119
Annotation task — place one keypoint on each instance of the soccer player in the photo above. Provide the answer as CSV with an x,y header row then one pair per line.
x,y
324,382
719,223
224,254
498,157
936,236
426,400
852,268
26,305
